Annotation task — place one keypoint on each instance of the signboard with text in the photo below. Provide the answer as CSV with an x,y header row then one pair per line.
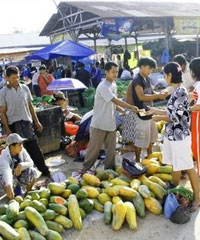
x,y
187,25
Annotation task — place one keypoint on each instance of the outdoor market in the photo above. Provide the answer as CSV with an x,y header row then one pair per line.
x,y
99,123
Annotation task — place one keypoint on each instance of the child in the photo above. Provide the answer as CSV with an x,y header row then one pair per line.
x,y
16,167
177,141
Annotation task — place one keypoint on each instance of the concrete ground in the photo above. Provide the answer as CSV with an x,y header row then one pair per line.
x,y
151,227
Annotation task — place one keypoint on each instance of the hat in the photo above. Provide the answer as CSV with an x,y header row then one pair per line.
x,y
14,138
59,95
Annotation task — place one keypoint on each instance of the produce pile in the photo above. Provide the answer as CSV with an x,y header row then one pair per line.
x,y
46,213
122,88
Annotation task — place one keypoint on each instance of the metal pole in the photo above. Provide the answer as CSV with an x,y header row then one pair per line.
x,y
197,45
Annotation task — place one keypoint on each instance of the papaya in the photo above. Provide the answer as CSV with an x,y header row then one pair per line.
x,y
164,176
35,196
56,188
74,212
38,206
44,193
106,184
152,168
3,208
55,226
19,199
86,204
23,234
165,169
108,212
37,220
118,169
21,223
91,191
119,214
58,200
116,199
5,219
91,180
73,187
53,235
13,209
103,198
125,178
144,191
72,180
64,221
49,214
44,201
66,193
25,203
36,235
28,197
158,180
157,155
58,208
82,212
97,205
153,205
111,174
118,181
154,187
139,205
135,183
102,175
81,194
111,191
127,192
8,232
146,162
21,216
131,215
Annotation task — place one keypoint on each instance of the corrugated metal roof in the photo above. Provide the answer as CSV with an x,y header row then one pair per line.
x,y
23,40
131,8
138,9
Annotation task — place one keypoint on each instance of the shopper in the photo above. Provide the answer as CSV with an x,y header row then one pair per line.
x,y
177,141
18,115
44,80
103,126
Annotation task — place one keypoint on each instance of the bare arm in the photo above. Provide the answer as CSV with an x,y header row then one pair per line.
x,y
148,97
35,118
129,97
195,108
5,119
123,104
158,118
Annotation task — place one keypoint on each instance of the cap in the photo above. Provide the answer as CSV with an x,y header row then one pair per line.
x,y
59,95
14,138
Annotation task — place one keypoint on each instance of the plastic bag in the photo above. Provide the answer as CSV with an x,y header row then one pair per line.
x,y
171,204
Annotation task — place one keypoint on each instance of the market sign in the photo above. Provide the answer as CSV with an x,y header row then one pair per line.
x,y
116,28
187,25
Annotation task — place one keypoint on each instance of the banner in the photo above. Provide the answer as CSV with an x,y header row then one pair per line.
x,y
116,28
187,25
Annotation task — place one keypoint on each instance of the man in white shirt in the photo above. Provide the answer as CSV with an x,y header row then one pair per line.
x,y
103,125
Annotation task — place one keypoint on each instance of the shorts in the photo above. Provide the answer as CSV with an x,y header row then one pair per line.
x,y
146,133
25,178
178,154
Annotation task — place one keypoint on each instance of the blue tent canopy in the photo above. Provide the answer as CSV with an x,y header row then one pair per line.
x,y
63,48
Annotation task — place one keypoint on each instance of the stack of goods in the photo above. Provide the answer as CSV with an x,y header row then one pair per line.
x,y
46,213
42,102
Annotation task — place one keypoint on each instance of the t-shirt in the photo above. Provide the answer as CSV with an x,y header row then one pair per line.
x,y
35,78
178,111
147,89
126,74
197,92
17,103
104,109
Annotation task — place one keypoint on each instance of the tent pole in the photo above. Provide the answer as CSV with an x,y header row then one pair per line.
x,y
197,45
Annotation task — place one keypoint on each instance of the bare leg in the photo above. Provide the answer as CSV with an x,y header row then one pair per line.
x,y
195,185
149,149
176,175
137,153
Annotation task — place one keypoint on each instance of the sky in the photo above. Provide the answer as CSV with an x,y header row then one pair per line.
x,y
31,15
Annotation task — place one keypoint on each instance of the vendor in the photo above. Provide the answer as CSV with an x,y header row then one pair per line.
x,y
16,167
62,101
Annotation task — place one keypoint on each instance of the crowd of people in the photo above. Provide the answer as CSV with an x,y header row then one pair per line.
x,y
181,141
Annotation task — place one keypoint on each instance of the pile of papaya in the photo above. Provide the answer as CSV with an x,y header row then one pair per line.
x,y
46,213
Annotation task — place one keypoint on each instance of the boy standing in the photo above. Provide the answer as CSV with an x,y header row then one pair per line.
x,y
16,166
103,126
143,97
